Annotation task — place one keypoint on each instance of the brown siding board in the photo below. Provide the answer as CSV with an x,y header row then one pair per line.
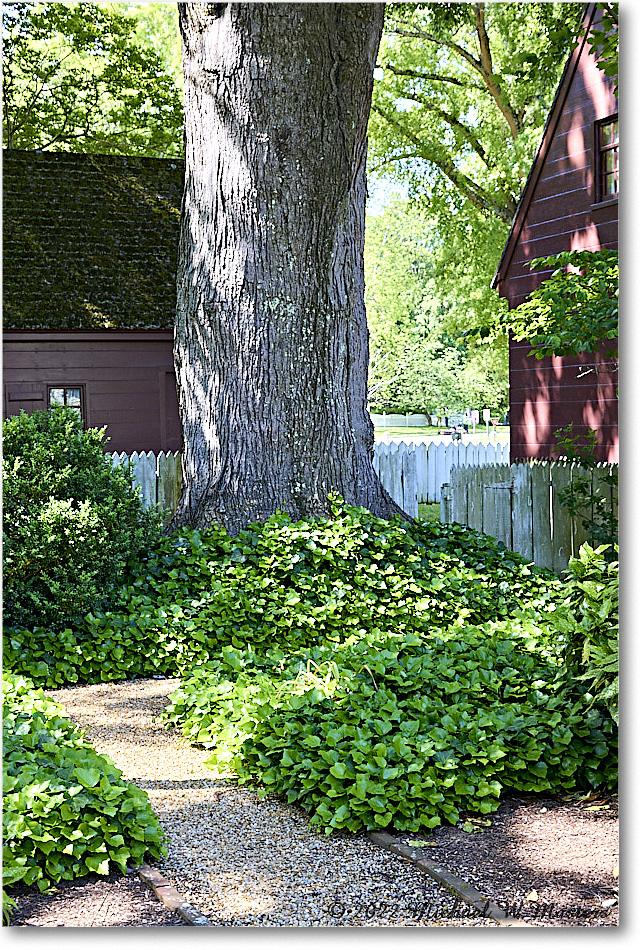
x,y
129,382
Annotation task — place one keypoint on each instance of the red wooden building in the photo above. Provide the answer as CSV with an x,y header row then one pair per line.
x,y
89,291
570,203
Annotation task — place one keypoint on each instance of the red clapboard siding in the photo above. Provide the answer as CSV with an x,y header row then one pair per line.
x,y
558,212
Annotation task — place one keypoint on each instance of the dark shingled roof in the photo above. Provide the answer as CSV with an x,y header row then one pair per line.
x,y
90,241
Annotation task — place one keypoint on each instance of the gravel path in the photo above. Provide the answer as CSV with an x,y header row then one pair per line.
x,y
241,860
244,861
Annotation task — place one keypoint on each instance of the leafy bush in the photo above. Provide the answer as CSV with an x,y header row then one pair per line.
x,y
73,524
399,731
67,810
285,583
588,621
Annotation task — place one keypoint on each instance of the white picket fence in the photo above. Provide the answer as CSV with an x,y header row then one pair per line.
x,y
518,505
412,473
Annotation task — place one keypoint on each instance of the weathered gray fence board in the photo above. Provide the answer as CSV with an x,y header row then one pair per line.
x,y
580,531
170,479
503,506
458,493
475,499
421,461
409,481
542,526
522,513
562,540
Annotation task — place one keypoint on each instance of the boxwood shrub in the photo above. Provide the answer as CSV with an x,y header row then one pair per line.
x,y
73,524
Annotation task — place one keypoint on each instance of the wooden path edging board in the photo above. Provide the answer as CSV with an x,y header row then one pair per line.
x,y
169,896
445,878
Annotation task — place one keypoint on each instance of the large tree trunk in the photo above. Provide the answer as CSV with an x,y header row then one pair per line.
x,y
271,343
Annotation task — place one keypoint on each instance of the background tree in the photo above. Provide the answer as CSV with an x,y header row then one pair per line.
x,y
458,111
76,78
271,345
419,362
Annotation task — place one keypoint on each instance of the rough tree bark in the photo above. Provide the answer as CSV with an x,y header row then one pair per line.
x,y
271,342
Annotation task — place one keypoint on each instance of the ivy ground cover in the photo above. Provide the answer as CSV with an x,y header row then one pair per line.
x,y
67,811
377,674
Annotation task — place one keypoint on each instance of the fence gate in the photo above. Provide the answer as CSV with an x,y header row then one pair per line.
x,y
518,505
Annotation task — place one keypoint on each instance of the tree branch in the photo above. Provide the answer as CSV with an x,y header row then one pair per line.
x,y
469,188
430,77
483,66
455,123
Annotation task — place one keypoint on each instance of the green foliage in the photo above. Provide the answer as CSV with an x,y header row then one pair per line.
x,y
419,360
575,309
67,810
399,730
76,79
588,620
463,101
588,498
8,907
458,111
73,524
603,41
375,672
283,582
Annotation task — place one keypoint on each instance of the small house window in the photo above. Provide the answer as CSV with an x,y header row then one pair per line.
x,y
67,396
608,164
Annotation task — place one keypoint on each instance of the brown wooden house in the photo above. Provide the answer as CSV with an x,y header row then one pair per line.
x,y
570,203
89,291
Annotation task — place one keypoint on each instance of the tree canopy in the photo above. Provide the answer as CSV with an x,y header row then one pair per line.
x,y
462,97
77,77
459,105
419,361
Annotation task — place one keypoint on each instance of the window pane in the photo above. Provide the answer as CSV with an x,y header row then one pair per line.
x,y
73,397
610,160
609,134
56,397
610,185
